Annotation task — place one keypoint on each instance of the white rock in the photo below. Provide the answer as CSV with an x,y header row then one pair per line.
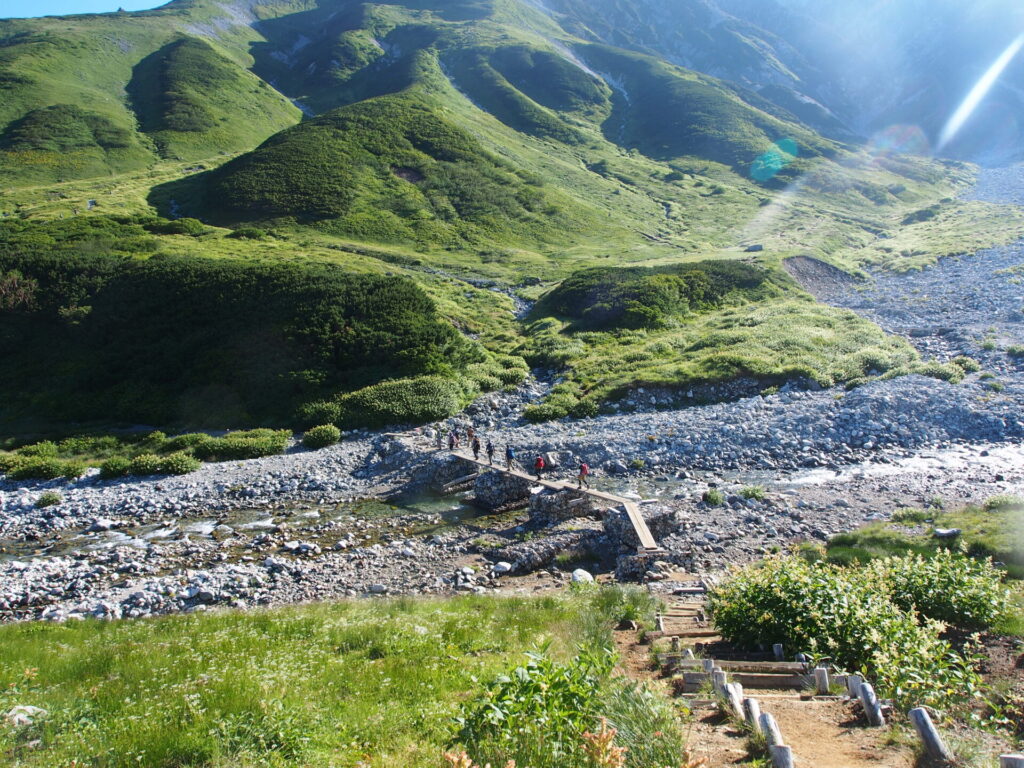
x,y
25,714
580,576
502,567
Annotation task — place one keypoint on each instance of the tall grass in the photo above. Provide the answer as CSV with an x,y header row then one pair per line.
x,y
374,683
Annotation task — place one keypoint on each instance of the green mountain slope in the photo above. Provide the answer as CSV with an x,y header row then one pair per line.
x,y
473,148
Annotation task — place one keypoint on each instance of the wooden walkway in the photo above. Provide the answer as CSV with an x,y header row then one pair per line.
x,y
643,533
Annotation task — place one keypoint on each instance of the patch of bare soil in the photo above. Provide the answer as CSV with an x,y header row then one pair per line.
x,y
829,734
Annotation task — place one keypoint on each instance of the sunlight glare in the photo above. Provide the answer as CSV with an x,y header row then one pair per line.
x,y
978,92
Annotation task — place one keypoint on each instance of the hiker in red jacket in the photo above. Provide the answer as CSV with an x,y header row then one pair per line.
x,y
538,465
582,476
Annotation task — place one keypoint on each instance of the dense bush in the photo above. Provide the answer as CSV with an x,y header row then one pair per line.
x,y
115,466
847,616
186,441
203,341
45,468
179,463
237,446
321,436
641,297
146,464
713,497
404,401
948,587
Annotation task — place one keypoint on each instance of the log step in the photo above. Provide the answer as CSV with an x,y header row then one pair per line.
x,y
759,667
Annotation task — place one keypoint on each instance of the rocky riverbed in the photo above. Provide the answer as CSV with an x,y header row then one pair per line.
x,y
297,527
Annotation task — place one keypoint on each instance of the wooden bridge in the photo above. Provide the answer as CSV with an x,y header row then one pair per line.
x,y
643,533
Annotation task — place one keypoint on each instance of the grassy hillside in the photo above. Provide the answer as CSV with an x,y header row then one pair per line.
x,y
194,102
388,169
477,150
174,340
370,683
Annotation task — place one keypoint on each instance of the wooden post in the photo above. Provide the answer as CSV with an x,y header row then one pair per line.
x,y
872,708
687,653
675,645
782,756
735,696
1011,761
718,681
709,665
933,743
779,651
853,684
752,708
661,622
821,680
770,729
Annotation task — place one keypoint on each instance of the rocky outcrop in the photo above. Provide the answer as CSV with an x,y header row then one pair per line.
x,y
553,507
497,490
622,536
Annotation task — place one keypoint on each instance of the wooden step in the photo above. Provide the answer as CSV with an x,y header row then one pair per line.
x,y
694,681
683,633
679,661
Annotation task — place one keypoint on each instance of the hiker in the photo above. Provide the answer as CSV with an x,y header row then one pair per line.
x,y
439,438
455,436
490,452
476,448
538,465
582,476
452,442
470,434
510,456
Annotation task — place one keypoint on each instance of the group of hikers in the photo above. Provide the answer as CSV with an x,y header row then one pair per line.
x,y
477,446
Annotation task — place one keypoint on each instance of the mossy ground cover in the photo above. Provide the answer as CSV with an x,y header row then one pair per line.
x,y
994,529
371,683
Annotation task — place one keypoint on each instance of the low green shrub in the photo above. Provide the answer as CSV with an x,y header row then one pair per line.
x,y
48,499
185,442
249,233
713,497
319,412
179,463
321,436
958,590
967,364
1015,350
8,461
146,464
46,448
44,468
753,492
115,466
239,447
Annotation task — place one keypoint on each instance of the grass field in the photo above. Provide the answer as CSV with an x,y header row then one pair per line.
x,y
360,683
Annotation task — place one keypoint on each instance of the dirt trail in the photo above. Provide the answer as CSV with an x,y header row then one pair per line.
x,y
822,732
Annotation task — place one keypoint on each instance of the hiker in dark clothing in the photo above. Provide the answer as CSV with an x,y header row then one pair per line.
x,y
490,451
538,465
455,436
476,449
470,434
582,476
452,442
510,456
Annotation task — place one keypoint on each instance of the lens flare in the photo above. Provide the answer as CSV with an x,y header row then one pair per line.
x,y
978,92
768,165
899,140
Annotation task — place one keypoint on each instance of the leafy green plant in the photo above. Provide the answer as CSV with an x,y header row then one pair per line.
x,y
249,444
48,499
910,515
1015,350
321,436
967,364
636,464
959,590
846,615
